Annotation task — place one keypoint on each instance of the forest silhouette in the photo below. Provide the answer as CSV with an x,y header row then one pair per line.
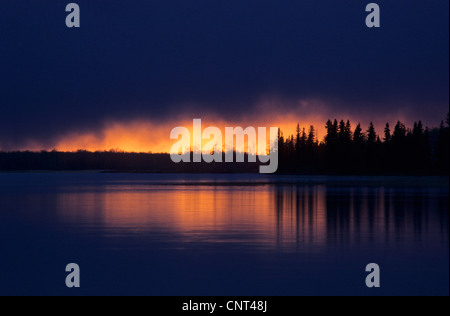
x,y
398,150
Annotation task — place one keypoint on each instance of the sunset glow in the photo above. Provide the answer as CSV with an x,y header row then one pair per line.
x,y
147,136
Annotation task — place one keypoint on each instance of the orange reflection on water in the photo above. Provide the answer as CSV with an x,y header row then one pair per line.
x,y
217,214
300,218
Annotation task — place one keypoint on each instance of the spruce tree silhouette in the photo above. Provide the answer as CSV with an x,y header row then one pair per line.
x,y
442,148
310,142
359,137
297,141
358,149
387,133
371,134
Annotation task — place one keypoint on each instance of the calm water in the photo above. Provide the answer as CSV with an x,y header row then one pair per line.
x,y
222,234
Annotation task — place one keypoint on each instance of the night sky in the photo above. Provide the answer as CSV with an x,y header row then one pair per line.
x,y
169,60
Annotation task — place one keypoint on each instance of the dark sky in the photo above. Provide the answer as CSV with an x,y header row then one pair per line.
x,y
155,59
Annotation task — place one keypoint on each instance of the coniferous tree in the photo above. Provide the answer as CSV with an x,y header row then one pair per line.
x,y
372,158
334,130
344,143
348,131
298,148
331,145
427,148
371,134
399,134
332,133
419,147
358,149
386,148
304,138
341,132
399,148
310,151
311,137
387,133
442,149
358,136
297,140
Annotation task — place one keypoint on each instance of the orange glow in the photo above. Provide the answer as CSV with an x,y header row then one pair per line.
x,y
148,136
153,135
136,136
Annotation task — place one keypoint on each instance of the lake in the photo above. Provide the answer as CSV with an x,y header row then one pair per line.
x,y
172,234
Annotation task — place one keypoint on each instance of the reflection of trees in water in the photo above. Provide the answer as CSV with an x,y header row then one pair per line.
x,y
299,216
310,216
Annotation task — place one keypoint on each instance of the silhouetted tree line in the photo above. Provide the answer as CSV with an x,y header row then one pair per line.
x,y
112,161
344,150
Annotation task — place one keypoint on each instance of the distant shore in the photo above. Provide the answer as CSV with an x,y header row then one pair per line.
x,y
228,179
122,162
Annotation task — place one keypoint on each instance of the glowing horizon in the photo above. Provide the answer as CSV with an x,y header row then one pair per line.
x,y
151,136
143,136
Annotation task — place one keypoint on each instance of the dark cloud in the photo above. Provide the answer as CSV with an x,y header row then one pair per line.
x,y
156,59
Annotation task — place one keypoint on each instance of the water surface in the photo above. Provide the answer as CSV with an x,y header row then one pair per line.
x,y
161,234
